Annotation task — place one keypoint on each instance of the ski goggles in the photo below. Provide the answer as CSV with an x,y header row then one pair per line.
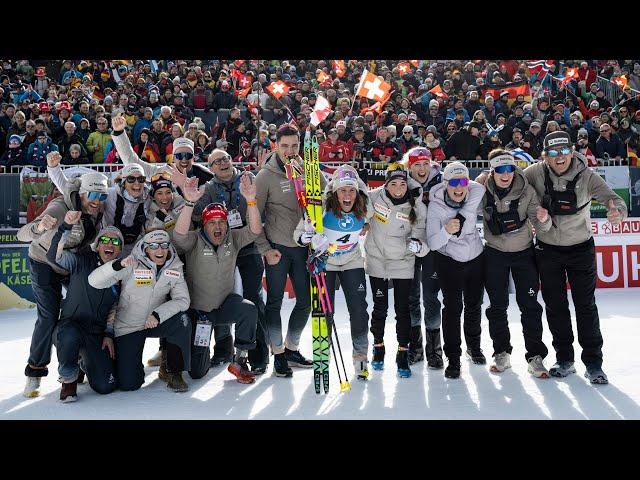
x,y
100,196
132,179
454,182
183,156
155,246
562,151
505,169
105,240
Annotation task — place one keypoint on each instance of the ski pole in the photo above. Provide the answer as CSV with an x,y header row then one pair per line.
x,y
346,386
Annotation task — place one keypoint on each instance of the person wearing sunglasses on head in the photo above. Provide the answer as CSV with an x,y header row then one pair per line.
x,y
565,188
428,173
511,210
83,329
459,262
397,235
87,195
183,156
153,299
211,254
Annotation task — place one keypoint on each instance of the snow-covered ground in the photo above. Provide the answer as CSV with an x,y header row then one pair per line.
x,y
479,394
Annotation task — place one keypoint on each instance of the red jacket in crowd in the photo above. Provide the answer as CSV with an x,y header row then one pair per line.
x,y
330,152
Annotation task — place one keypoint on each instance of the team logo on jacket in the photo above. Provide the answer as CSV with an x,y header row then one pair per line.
x,y
361,288
531,292
379,293
172,274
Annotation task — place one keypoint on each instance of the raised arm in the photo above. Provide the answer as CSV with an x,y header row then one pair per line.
x,y
126,152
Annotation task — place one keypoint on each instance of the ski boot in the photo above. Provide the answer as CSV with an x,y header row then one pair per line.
x,y
402,361
362,369
416,351
241,371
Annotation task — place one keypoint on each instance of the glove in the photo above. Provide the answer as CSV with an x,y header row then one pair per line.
x,y
462,219
415,246
305,238
320,243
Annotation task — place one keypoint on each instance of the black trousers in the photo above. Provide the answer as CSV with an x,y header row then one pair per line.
x,y
462,283
425,276
401,292
251,269
577,264
524,270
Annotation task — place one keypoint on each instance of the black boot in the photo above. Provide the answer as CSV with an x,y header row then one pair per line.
x,y
378,357
453,369
433,349
402,360
476,356
416,352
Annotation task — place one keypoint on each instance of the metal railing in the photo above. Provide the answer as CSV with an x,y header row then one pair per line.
x,y
611,91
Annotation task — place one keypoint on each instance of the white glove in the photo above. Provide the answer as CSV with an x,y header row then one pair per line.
x,y
415,246
320,243
306,237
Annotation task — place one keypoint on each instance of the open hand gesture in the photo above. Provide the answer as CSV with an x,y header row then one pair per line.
x,y
118,123
248,186
191,191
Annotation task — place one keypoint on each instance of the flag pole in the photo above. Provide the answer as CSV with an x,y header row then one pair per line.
x,y
355,93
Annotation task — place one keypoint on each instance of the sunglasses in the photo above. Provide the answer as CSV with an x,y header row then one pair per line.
x,y
183,156
555,153
155,246
505,169
132,179
113,240
454,182
100,196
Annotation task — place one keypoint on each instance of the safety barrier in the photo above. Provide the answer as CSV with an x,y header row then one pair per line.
x,y
611,91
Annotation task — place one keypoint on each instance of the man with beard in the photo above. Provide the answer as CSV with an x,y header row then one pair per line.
x,y
87,195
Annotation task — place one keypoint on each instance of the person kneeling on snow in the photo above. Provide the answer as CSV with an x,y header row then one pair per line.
x,y
149,276
83,328
211,254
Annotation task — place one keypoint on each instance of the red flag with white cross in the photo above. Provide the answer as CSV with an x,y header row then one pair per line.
x,y
278,89
404,68
372,87
338,67
323,78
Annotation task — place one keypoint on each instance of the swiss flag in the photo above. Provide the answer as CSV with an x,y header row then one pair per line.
x,y
620,81
237,63
278,89
437,91
377,107
572,73
372,87
323,77
338,67
321,110
415,63
404,68
245,80
243,93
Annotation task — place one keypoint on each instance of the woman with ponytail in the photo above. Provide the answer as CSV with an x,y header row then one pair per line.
x,y
396,236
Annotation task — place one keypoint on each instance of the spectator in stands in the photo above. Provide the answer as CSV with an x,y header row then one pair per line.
x,y
585,148
383,150
532,140
224,98
465,143
146,148
98,140
203,146
407,139
609,145
167,149
14,155
334,149
38,150
75,156
70,138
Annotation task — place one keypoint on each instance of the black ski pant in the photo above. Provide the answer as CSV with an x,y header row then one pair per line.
x,y
176,330
524,270
576,263
234,309
462,283
425,275
401,291
251,269
354,286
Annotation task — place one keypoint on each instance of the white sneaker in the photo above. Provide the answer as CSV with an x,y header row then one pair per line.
x,y
501,361
155,360
537,368
32,388
362,369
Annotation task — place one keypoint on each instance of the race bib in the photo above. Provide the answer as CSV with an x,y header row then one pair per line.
x,y
143,277
203,334
234,219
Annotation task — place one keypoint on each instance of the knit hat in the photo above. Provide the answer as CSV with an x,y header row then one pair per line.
x,y
93,182
557,139
583,132
15,138
106,231
395,171
503,159
212,211
156,236
345,176
455,170
418,154
183,142
131,169
433,103
160,183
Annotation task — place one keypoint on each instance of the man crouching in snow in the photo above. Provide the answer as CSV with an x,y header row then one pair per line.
x,y
211,253
83,328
